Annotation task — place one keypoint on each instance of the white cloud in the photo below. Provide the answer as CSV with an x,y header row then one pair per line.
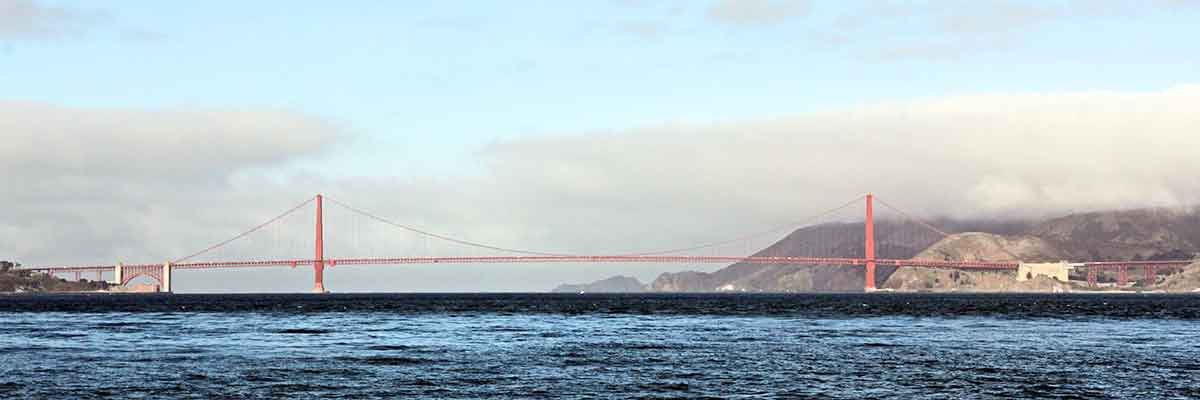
x,y
98,178
30,19
757,12
950,30
930,152
643,30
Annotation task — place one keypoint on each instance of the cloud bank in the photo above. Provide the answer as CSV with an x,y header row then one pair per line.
x,y
144,185
109,184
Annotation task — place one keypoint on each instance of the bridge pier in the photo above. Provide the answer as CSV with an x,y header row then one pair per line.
x,y
166,278
1122,275
1092,277
1151,276
118,274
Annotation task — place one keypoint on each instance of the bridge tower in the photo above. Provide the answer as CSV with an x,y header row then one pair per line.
x,y
870,243
319,259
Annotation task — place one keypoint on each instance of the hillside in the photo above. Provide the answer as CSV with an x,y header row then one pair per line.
x,y
1158,233
18,281
978,246
1186,281
616,284
1152,234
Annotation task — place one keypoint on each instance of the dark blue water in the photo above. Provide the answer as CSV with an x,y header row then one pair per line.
x,y
600,346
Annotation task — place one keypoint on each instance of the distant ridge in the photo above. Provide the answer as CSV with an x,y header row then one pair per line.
x,y
616,284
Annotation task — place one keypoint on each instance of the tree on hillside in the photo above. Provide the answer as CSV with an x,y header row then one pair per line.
x,y
1173,254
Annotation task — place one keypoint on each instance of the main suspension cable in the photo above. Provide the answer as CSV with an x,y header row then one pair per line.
x,y
244,234
442,237
776,229
912,218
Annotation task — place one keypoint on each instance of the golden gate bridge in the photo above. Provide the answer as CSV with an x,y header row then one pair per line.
x,y
821,251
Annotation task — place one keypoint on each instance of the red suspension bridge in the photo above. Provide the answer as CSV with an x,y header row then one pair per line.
x,y
826,248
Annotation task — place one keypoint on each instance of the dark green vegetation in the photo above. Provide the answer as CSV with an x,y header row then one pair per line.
x,y
15,280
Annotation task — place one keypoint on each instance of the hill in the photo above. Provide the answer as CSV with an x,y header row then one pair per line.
x,y
1157,233
13,280
978,246
1145,234
1186,281
616,284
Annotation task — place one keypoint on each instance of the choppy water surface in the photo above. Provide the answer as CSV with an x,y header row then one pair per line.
x,y
587,346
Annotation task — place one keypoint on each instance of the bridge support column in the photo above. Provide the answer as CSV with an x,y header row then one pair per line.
x,y
1151,276
319,259
166,278
99,276
870,244
1122,275
1092,278
118,274
77,276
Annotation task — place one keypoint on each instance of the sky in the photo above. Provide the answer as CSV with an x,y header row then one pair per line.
x,y
137,131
